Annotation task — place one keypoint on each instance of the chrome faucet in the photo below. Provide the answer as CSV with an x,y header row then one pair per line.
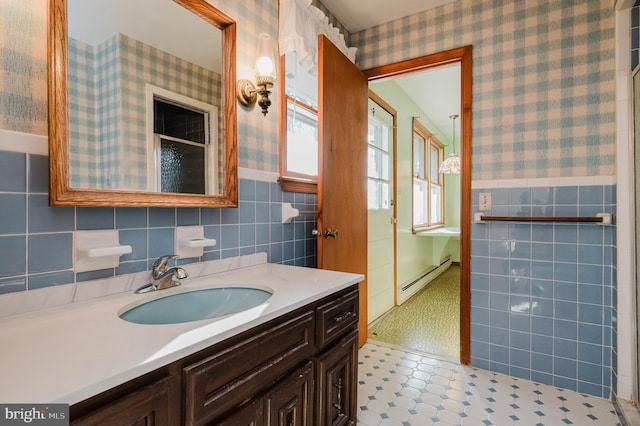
x,y
163,276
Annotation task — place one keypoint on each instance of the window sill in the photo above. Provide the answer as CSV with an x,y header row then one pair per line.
x,y
427,228
298,185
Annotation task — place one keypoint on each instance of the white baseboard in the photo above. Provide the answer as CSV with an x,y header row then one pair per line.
x,y
419,282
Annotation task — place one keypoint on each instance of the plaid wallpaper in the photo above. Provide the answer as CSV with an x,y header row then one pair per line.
x,y
23,66
83,116
257,134
543,80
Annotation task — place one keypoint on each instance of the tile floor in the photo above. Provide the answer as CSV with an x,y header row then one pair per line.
x,y
403,388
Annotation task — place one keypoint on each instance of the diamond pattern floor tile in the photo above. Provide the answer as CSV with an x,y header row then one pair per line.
x,y
405,388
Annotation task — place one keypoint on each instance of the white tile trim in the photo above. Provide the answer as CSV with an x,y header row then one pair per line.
x,y
23,142
544,182
244,173
36,144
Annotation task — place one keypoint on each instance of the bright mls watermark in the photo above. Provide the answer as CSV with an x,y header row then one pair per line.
x,y
34,414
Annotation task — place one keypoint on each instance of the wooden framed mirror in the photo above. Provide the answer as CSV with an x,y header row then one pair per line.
x,y
108,143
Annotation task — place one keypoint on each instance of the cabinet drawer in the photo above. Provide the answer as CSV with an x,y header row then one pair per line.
x,y
223,381
337,316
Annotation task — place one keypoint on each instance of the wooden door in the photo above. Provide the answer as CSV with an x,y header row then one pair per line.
x,y
342,184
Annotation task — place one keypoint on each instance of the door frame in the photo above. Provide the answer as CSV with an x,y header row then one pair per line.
x,y
462,55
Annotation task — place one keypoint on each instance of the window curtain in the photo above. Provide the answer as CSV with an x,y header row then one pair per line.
x,y
300,24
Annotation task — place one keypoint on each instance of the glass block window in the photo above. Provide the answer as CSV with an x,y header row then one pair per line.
x,y
635,34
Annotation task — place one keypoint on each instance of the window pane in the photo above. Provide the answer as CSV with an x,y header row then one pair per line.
x,y
178,122
181,167
436,207
418,157
378,164
378,134
378,195
302,141
419,202
435,164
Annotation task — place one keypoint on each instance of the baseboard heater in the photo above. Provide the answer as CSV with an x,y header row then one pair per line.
x,y
427,273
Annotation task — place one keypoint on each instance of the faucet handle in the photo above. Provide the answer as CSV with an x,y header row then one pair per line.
x,y
180,273
161,265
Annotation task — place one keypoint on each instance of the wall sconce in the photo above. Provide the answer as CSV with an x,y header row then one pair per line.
x,y
265,77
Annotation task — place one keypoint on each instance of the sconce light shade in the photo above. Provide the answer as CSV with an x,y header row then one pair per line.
x,y
265,66
265,71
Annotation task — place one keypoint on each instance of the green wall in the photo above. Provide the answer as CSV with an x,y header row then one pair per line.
x,y
414,252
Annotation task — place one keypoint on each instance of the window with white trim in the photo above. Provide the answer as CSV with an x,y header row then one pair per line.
x,y
378,175
428,183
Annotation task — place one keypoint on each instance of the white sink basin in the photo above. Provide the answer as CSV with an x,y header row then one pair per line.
x,y
196,305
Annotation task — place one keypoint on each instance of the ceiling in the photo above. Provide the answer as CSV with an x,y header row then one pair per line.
x,y
356,15
170,27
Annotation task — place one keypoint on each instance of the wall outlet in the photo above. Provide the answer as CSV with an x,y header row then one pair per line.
x,y
484,201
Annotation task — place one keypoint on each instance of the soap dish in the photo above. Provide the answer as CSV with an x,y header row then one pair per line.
x,y
190,241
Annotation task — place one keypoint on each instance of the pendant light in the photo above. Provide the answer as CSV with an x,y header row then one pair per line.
x,y
452,165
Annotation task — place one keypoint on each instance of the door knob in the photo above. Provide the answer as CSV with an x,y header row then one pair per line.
x,y
328,233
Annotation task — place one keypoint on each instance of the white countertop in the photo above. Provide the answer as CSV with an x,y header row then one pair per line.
x,y
71,352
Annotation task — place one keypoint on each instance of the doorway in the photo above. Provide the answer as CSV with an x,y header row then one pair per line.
x,y
461,56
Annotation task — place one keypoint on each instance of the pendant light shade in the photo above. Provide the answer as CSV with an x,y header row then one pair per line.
x,y
453,164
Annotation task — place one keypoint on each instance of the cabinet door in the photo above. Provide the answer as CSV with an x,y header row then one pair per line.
x,y
148,406
249,415
290,402
336,383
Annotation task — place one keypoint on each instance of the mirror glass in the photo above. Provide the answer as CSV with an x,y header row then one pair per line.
x,y
144,97
148,103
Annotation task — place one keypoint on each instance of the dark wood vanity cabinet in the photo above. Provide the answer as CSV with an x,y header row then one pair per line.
x,y
150,405
296,370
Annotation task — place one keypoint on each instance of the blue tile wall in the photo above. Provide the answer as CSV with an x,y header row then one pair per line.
x,y
36,240
542,294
